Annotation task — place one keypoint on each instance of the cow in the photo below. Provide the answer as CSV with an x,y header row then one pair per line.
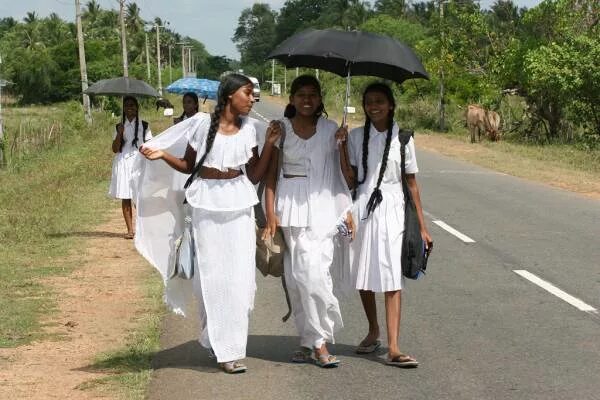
x,y
479,119
165,103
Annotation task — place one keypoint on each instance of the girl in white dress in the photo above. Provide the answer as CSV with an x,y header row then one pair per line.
x,y
308,199
222,200
373,168
128,137
190,107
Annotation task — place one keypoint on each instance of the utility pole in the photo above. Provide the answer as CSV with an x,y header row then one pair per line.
x,y
2,161
82,65
189,59
158,58
123,37
284,80
297,71
272,77
147,57
183,58
170,67
442,123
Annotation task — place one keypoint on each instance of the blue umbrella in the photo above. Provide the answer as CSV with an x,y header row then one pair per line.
x,y
204,88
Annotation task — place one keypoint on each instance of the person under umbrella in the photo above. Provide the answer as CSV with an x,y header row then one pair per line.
x,y
190,107
129,135
308,200
371,166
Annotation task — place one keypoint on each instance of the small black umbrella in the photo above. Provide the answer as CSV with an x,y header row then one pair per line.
x,y
348,53
122,86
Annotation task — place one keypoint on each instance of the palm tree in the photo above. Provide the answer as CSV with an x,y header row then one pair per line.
x,y
134,21
92,11
31,17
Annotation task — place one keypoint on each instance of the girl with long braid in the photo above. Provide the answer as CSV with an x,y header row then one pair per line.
x,y
371,166
190,107
222,197
308,200
128,136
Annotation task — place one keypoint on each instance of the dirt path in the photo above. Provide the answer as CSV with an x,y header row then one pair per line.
x,y
97,306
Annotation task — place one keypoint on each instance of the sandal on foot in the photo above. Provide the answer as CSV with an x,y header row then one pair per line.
x,y
402,361
129,235
367,349
302,356
233,367
325,361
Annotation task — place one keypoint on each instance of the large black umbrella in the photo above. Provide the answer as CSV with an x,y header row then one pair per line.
x,y
348,53
122,86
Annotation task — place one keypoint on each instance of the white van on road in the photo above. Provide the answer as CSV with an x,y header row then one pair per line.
x,y
256,90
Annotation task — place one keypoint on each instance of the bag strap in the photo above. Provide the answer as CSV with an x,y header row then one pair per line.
x,y
259,214
404,136
144,129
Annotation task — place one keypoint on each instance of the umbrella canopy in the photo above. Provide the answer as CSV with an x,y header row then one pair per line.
x,y
204,88
122,86
350,53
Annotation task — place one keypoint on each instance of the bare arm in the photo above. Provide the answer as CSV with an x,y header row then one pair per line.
x,y
270,186
258,166
414,192
118,141
184,165
342,139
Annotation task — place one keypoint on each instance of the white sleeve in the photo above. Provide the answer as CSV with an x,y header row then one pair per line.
x,y
354,142
196,129
410,161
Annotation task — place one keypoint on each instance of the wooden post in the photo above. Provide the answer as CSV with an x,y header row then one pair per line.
x,y
123,37
82,64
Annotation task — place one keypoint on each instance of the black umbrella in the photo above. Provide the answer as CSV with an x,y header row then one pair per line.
x,y
122,86
347,53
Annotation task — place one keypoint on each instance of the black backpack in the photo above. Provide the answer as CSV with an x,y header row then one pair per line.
x,y
414,255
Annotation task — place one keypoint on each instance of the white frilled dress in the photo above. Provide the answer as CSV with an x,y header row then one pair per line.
x,y
120,182
375,253
223,228
309,209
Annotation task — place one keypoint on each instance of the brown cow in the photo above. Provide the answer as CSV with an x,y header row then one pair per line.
x,y
479,119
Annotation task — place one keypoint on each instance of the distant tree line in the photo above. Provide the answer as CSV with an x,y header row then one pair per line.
x,y
39,55
545,58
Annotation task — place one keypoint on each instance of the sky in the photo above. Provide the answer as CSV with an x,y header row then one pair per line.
x,y
212,22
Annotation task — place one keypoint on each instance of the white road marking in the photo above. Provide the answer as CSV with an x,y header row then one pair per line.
x,y
453,231
260,115
575,302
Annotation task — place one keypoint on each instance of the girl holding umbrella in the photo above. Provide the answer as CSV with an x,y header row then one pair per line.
x,y
128,136
308,200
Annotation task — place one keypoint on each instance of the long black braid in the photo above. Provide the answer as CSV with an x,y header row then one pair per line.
x,y
134,142
376,196
229,85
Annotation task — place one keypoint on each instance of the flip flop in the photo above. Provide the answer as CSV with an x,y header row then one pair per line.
x,y
129,235
326,361
302,356
402,361
233,367
371,348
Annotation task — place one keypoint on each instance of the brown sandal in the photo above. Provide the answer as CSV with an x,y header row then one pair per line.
x,y
402,361
233,367
129,235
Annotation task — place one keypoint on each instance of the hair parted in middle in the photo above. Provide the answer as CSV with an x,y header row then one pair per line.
x,y
194,98
300,82
228,86
376,196
134,142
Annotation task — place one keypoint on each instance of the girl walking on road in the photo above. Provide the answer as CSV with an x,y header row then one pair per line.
x,y
222,199
371,165
308,199
128,136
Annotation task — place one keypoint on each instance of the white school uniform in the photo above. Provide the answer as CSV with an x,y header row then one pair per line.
x,y
375,254
223,228
120,182
309,208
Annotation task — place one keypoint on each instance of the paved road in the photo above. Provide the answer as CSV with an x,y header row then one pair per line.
x,y
479,329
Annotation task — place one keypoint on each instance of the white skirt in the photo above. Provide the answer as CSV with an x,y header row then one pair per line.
x,y
226,247
375,253
120,181
306,267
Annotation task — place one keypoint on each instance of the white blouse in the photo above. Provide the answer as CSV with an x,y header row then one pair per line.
x,y
391,182
227,152
129,134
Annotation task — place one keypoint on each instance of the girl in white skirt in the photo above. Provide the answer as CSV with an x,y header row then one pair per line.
x,y
222,199
308,199
128,137
373,168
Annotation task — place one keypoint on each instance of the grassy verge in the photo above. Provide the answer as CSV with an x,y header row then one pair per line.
x,y
130,367
47,197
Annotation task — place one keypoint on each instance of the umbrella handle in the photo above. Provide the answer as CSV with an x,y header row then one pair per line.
x,y
345,114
